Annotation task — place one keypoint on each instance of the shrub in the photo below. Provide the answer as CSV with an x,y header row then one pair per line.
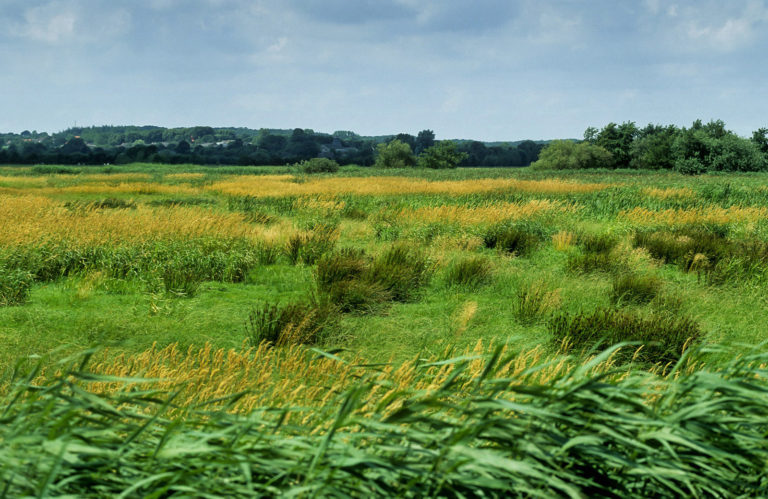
x,y
14,286
569,155
395,154
295,323
662,337
635,288
441,155
318,165
470,272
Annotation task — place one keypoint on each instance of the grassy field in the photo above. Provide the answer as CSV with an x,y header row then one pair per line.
x,y
319,304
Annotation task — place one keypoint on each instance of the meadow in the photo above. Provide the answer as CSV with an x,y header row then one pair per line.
x,y
469,332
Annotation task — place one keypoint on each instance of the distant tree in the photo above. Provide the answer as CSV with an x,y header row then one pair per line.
x,y
395,154
652,149
760,138
476,153
425,139
407,138
569,155
183,147
443,154
73,146
617,140
590,134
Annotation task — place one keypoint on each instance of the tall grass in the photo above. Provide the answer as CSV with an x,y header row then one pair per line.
x,y
699,433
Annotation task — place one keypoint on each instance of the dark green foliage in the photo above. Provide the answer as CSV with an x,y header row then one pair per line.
x,y
170,202
580,434
318,165
102,204
686,247
214,260
518,238
401,271
662,337
14,286
356,283
441,155
629,287
469,272
181,278
569,155
596,254
395,154
295,323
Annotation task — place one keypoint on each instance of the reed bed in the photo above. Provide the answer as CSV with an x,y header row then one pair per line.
x,y
701,215
287,185
493,213
472,431
674,193
33,220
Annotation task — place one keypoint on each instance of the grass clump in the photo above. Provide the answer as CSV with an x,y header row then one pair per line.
x,y
630,287
295,323
308,247
469,272
534,301
662,338
14,286
401,270
597,254
520,238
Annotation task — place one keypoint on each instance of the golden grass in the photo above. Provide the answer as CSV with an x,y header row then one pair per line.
x,y
184,176
669,193
294,376
464,215
37,219
563,240
109,177
286,185
710,214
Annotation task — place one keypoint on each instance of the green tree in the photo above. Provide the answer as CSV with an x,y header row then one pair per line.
x,y
444,154
569,155
425,139
395,154
617,140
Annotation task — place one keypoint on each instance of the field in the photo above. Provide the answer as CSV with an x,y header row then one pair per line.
x,y
463,332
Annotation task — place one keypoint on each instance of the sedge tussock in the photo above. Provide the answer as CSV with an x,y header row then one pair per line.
x,y
285,185
708,215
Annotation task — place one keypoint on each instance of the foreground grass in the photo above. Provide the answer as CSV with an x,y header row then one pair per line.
x,y
482,431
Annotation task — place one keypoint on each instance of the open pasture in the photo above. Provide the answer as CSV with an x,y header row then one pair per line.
x,y
248,290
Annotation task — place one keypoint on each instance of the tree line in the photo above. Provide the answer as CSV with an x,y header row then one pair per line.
x,y
237,146
700,148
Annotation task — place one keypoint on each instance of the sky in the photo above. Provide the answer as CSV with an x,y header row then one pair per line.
x,y
484,69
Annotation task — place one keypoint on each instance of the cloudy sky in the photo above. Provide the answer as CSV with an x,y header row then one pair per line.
x,y
484,69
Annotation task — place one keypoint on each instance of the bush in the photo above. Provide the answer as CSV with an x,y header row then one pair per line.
x,y
14,286
570,155
395,154
470,272
662,337
295,323
318,165
441,155
635,288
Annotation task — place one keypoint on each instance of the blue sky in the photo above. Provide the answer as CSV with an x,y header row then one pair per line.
x,y
484,69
